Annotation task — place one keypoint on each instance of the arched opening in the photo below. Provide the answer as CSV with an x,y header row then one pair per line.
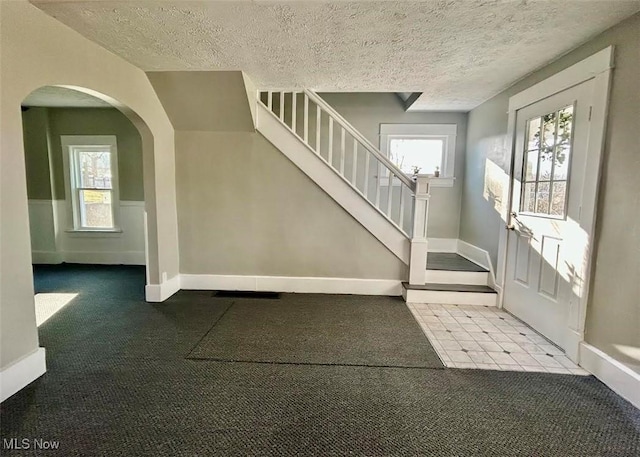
x,y
85,176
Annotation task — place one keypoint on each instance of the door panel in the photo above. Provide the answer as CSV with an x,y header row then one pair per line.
x,y
543,259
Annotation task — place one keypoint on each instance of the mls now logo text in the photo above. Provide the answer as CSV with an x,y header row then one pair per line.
x,y
29,443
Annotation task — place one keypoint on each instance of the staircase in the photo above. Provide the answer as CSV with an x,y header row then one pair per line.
x,y
389,204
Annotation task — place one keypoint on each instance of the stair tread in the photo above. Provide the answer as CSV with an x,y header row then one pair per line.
x,y
452,262
451,287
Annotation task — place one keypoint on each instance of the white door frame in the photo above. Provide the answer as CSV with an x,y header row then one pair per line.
x,y
597,67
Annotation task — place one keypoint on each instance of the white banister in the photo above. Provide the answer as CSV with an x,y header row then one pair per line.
x,y
294,108
330,159
386,175
418,262
342,150
306,119
333,114
318,125
354,165
282,106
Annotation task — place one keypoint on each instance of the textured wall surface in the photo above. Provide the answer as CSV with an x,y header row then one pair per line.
x,y
245,209
458,53
613,313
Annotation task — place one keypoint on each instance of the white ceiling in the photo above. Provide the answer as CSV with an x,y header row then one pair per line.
x,y
458,53
60,97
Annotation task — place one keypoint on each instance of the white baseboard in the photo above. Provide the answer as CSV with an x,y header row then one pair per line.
x,y
96,258
442,244
156,293
22,373
479,256
46,257
620,378
292,284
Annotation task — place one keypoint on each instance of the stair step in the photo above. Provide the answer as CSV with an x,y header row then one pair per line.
x,y
457,277
451,261
454,294
452,287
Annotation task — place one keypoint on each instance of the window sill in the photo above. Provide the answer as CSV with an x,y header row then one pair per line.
x,y
110,233
441,182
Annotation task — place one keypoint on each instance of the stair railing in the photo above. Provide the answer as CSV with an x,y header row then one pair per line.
x,y
347,151
398,197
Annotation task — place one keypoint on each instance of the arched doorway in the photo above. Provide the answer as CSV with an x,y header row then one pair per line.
x,y
85,189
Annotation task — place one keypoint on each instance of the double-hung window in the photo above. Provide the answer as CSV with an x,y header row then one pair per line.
x,y
91,166
427,149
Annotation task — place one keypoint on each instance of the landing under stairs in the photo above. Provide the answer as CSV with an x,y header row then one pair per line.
x,y
452,279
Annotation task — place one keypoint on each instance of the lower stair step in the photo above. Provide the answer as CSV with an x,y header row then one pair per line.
x,y
450,294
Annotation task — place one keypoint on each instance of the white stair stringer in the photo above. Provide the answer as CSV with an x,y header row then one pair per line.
x,y
337,187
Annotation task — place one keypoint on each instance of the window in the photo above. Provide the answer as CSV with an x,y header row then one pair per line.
x,y
421,149
92,183
546,164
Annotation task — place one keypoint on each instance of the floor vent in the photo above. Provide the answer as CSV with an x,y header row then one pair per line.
x,y
241,294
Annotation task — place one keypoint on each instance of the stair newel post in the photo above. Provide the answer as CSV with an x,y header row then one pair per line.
x,y
418,260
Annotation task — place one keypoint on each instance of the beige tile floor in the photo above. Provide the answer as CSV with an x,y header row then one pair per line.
x,y
485,337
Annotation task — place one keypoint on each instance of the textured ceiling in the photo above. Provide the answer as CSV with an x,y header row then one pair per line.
x,y
60,97
458,53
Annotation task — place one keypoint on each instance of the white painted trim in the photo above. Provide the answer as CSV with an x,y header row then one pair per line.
x,y
479,256
442,244
134,203
445,132
335,185
457,277
617,376
89,257
69,143
598,67
310,285
447,297
156,293
582,71
22,373
105,258
47,257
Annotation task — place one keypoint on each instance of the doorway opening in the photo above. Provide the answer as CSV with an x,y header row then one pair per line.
x,y
85,188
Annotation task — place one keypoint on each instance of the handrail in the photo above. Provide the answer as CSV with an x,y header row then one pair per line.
x,y
361,139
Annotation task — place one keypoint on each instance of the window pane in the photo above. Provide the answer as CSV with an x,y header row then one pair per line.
x,y
411,154
95,209
532,165
551,144
529,197
558,198
542,198
561,168
95,168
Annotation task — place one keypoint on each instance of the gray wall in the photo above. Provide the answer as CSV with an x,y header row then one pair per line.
x,y
366,111
245,209
54,122
613,314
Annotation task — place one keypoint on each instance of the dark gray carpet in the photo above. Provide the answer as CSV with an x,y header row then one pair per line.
x,y
118,384
319,329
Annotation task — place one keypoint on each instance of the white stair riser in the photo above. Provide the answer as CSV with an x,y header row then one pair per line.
x,y
457,277
446,297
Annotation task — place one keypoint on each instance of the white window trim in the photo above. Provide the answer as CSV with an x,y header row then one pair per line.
x,y
68,142
445,132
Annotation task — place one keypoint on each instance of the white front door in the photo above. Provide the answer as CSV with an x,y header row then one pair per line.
x,y
547,251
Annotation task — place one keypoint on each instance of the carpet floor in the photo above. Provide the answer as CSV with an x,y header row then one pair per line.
x,y
119,383
319,329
